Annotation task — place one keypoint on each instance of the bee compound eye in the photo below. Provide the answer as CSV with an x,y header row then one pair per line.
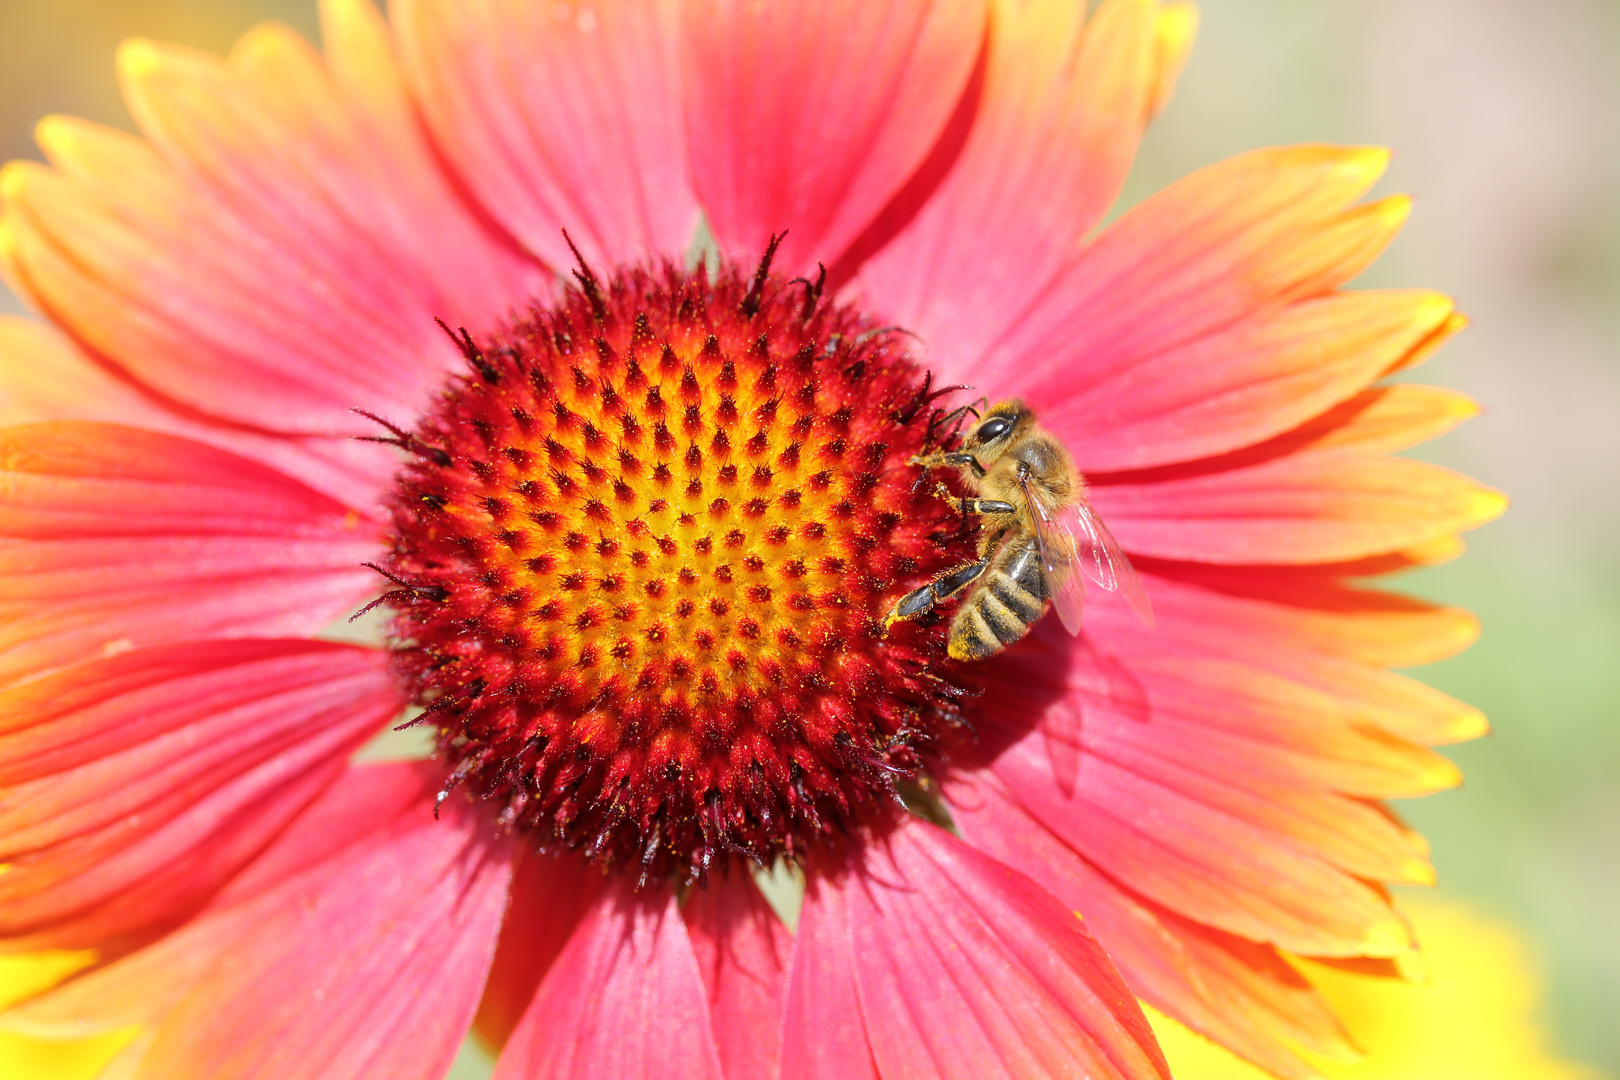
x,y
993,429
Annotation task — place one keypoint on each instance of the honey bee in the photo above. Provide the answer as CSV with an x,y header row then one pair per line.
x,y
1039,540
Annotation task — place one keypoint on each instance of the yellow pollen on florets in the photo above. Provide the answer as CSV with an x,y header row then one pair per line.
x,y
645,543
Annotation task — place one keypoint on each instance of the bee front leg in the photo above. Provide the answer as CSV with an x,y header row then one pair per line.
x,y
955,457
921,601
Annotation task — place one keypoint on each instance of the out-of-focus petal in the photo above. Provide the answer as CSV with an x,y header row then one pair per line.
x,y
1257,231
559,116
368,963
742,949
810,117
625,999
1322,493
1240,993
1063,107
113,537
966,968
551,895
277,254
44,376
133,787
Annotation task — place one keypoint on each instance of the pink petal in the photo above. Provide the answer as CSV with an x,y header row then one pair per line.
x,y
1255,232
966,968
1213,710
368,963
1378,699
44,376
135,786
551,896
559,116
824,1036
624,1000
277,255
1312,609
959,967
1062,110
742,950
1226,844
1241,385
1321,493
113,537
810,117
1304,508
1243,995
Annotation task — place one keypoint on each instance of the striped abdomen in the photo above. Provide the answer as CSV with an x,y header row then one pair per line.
x,y
1004,603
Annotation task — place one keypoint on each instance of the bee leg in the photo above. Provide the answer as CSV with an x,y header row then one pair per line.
x,y
921,601
987,506
990,540
934,461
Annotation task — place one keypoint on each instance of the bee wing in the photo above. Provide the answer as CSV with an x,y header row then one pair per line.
x,y
1060,555
1103,561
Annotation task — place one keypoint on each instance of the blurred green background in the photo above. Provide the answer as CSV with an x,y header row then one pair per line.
x,y
1505,118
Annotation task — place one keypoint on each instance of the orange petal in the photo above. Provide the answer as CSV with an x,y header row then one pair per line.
x,y
1108,772
1062,109
1309,609
1177,24
367,964
1400,706
1237,387
277,255
1256,231
44,376
135,786
1239,993
113,538
1317,494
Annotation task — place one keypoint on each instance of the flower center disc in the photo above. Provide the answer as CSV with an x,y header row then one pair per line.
x,y
643,545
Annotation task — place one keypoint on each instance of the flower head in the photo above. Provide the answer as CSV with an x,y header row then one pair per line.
x,y
638,528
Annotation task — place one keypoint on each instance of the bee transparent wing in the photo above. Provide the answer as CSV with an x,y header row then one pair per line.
x,y
1102,560
1060,556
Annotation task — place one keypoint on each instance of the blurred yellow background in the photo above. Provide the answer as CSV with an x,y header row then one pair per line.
x,y
1504,115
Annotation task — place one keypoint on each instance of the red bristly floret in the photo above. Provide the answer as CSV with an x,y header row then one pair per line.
x,y
643,544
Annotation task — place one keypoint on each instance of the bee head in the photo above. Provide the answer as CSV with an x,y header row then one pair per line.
x,y
996,430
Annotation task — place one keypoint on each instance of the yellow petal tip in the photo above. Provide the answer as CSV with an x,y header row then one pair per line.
x,y
1487,504
1176,26
1388,938
14,179
1393,210
138,56
1363,163
1469,725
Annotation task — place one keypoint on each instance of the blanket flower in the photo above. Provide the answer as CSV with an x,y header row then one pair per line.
x,y
421,320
